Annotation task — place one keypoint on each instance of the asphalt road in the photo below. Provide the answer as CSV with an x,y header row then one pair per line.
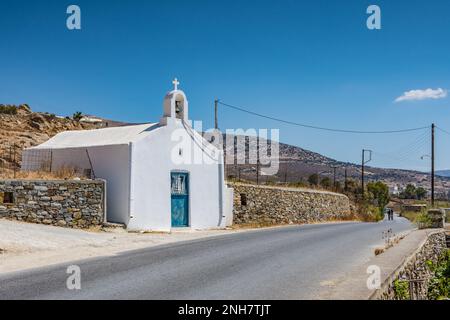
x,y
295,262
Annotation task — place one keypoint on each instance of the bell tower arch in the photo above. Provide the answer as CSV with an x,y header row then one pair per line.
x,y
176,106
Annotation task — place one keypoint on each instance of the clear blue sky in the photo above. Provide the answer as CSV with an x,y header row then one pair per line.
x,y
307,61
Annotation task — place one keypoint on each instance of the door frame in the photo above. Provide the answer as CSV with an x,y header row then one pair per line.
x,y
188,175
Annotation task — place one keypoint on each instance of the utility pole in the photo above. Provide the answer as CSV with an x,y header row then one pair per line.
x,y
432,164
257,160
363,162
216,127
216,121
345,180
334,178
14,161
257,171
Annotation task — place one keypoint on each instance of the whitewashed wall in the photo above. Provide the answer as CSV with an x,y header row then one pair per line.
x,y
228,206
151,200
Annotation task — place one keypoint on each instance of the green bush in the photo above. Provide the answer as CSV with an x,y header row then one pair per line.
x,y
8,109
369,212
422,220
313,179
401,289
439,286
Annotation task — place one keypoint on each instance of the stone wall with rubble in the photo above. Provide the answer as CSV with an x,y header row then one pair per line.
x,y
65,203
414,271
269,205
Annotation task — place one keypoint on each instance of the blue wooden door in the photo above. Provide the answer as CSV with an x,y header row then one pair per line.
x,y
180,199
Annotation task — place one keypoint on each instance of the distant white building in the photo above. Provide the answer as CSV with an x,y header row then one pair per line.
x,y
91,120
159,175
394,189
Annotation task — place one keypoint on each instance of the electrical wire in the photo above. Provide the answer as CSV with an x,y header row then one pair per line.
x,y
317,127
443,130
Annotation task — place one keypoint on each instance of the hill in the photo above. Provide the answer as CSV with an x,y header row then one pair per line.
x,y
443,173
296,164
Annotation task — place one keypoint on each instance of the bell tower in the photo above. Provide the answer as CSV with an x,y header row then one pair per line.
x,y
176,106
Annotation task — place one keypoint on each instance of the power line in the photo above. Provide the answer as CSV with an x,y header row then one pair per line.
x,y
317,127
404,153
445,131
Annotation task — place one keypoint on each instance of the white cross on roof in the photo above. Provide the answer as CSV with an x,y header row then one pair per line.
x,y
175,83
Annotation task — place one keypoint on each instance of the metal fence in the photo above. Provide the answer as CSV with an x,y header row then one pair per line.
x,y
16,161
14,158
10,159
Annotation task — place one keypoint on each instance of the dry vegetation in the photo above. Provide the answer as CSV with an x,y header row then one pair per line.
x,y
65,173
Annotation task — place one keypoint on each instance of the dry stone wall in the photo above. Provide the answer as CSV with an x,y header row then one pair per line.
x,y
65,203
414,271
277,205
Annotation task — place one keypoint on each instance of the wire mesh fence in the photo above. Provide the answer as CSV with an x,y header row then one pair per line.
x,y
16,161
10,159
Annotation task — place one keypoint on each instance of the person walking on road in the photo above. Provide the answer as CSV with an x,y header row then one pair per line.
x,y
391,214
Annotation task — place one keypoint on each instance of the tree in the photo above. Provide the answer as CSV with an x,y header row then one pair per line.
x,y
313,179
77,116
409,192
325,182
379,191
421,193
352,186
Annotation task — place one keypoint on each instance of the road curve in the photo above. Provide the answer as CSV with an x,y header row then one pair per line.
x,y
294,262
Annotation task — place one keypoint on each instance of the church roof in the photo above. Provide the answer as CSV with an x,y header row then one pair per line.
x,y
97,137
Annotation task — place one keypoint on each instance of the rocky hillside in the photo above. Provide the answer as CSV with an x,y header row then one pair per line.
x,y
21,128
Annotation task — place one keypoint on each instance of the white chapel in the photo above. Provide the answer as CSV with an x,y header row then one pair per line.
x,y
159,176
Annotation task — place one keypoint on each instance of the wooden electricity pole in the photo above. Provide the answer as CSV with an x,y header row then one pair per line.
x,y
216,121
363,162
334,178
362,175
345,180
257,160
432,164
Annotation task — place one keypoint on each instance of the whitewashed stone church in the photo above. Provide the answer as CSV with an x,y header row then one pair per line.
x,y
153,181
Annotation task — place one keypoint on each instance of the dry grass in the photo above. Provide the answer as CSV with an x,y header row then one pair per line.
x,y
64,173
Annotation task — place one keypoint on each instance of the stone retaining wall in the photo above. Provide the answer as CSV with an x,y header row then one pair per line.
x,y
278,205
65,203
414,271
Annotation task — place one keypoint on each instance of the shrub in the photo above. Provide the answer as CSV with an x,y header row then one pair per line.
x,y
8,109
77,116
313,179
439,286
326,182
423,220
401,289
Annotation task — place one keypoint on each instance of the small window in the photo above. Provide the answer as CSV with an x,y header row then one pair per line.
x,y
243,199
7,197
